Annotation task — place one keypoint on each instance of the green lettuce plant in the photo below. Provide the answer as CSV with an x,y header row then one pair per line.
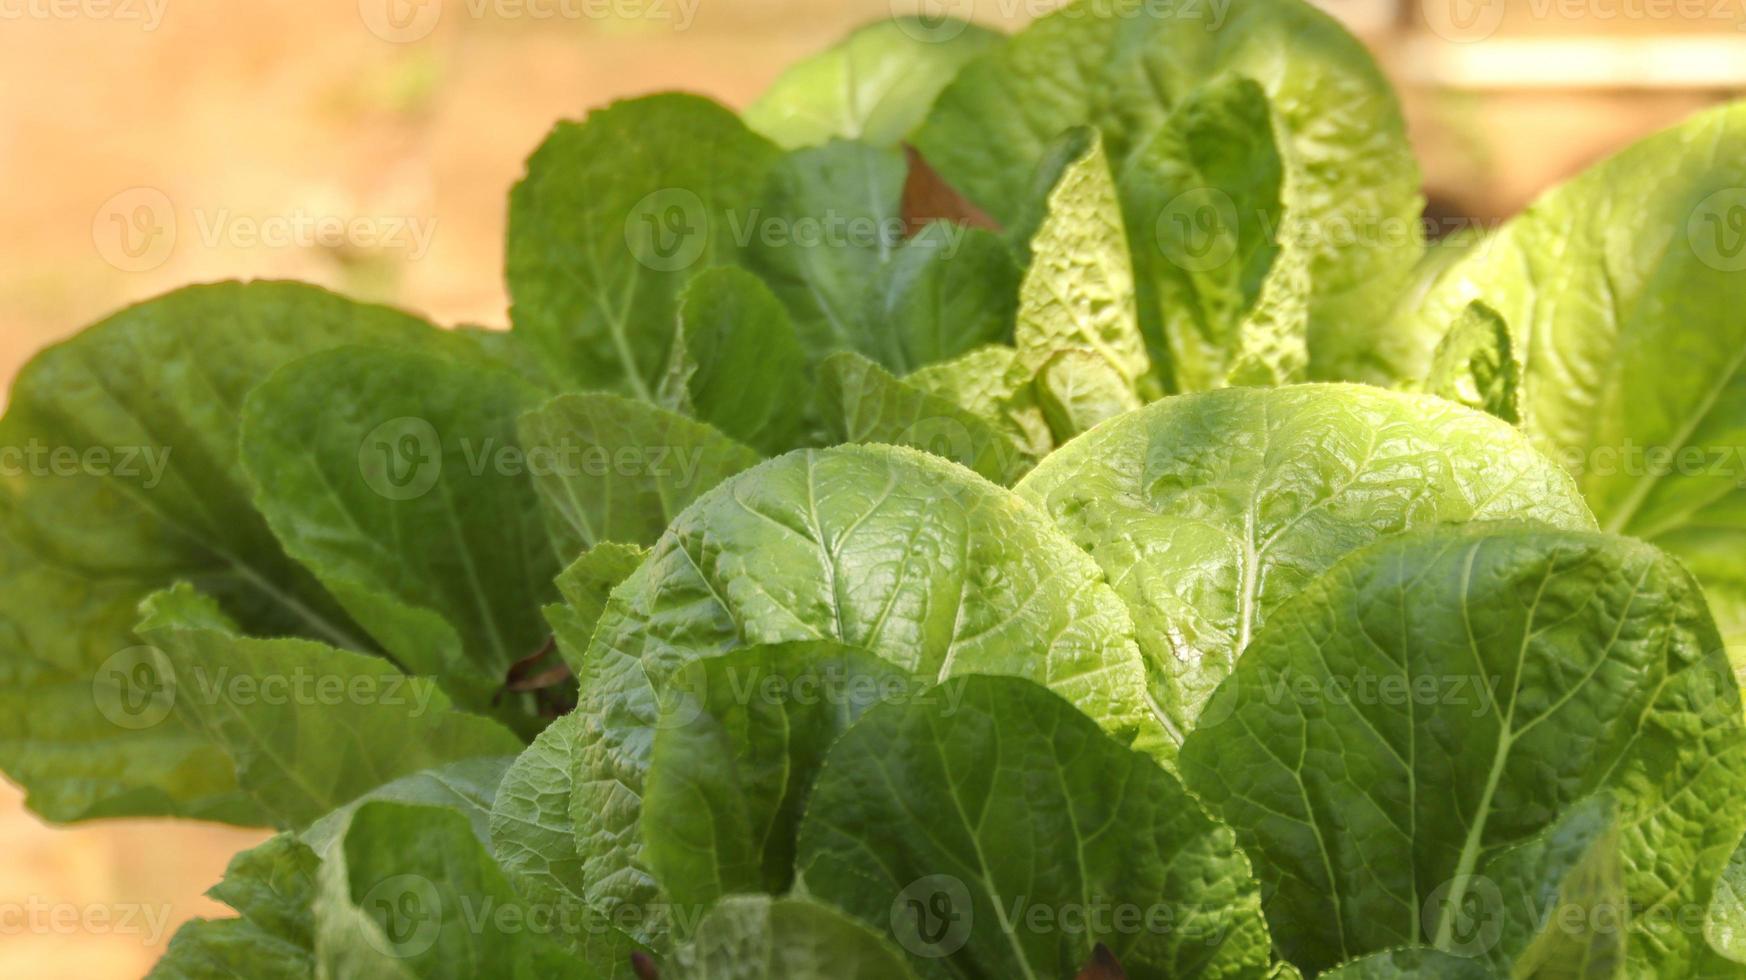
x,y
999,507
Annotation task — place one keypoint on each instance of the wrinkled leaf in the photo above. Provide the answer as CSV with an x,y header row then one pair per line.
x,y
862,403
955,826
755,937
894,551
1476,365
1208,511
1442,697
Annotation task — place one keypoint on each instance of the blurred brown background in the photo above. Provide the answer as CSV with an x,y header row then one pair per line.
x,y
145,144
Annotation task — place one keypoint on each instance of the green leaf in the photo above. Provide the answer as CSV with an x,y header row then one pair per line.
x,y
1622,292
614,217
1351,186
861,403
467,787
1476,366
588,583
307,726
1007,835
1725,926
1078,389
272,888
945,292
740,740
146,404
1079,289
833,220
1220,300
875,85
738,364
989,382
1443,696
894,551
1410,962
621,470
756,937
1208,511
410,892
395,477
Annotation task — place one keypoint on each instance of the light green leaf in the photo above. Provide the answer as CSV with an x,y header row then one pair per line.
x,y
620,470
1411,963
1078,389
1351,185
1079,289
862,403
1476,365
467,787
946,291
894,551
739,743
833,220
1622,291
756,937
272,889
308,727
586,585
146,404
1203,197
989,382
1208,511
1725,926
1007,835
1443,696
614,217
410,892
395,477
737,362
875,85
